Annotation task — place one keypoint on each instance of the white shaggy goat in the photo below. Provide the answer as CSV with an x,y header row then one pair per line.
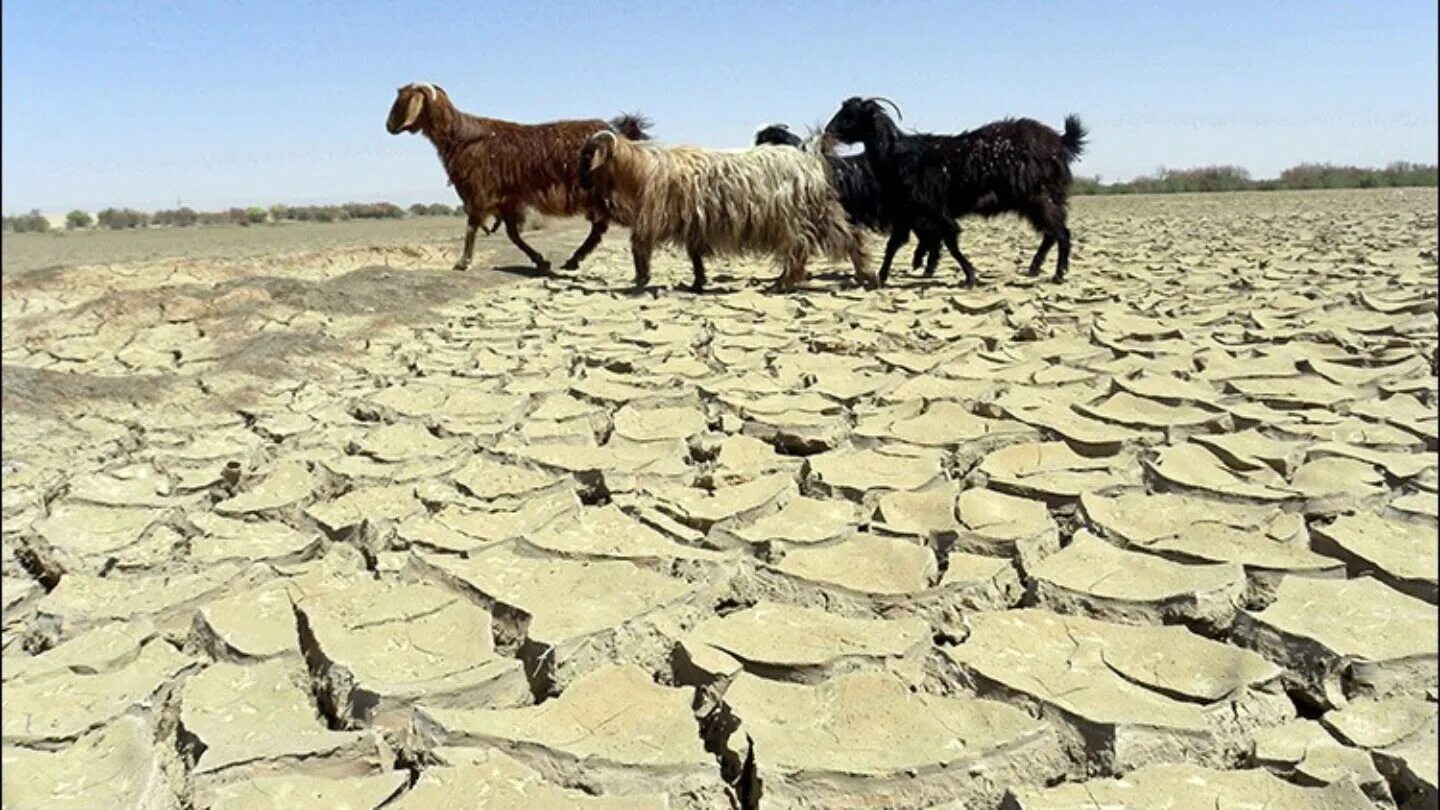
x,y
774,200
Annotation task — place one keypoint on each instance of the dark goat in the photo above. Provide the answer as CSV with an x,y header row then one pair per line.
x,y
1015,165
859,192
500,167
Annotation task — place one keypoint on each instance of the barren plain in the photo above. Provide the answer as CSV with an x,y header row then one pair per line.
x,y
296,516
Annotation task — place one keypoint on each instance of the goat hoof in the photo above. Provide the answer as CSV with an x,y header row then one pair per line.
x,y
461,266
570,265
543,266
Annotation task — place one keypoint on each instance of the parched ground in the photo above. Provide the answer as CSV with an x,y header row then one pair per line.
x,y
298,517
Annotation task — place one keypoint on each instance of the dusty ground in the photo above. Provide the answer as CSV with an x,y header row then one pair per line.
x,y
295,517
26,253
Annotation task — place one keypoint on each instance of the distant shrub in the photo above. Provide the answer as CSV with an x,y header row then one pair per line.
x,y
183,217
122,218
33,222
1325,175
128,218
431,210
1087,185
380,210
1234,178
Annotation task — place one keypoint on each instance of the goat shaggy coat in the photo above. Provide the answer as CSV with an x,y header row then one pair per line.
x,y
766,200
1015,165
859,191
500,168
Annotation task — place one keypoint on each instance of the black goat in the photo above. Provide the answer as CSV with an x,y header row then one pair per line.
x,y
928,181
859,192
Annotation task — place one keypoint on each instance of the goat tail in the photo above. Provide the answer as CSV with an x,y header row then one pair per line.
x,y
1074,137
632,125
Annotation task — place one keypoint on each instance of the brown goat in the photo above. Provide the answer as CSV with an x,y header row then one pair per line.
x,y
500,167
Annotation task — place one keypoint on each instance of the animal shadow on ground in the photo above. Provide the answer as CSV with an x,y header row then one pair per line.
x,y
591,287
723,285
523,270
836,279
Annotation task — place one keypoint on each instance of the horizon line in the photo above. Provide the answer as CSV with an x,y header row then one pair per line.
x,y
412,196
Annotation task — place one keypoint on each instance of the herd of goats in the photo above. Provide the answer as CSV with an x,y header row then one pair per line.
x,y
788,197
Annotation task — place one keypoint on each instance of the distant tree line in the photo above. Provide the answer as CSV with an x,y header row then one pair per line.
x,y
1234,178
33,222
1164,181
185,217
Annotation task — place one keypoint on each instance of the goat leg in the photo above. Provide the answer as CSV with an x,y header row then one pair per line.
x,y
952,244
795,273
898,236
932,261
512,230
640,253
1062,264
792,272
464,262
1040,254
928,251
866,279
697,266
781,284
597,230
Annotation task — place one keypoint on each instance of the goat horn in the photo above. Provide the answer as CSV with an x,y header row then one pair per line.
x,y
896,107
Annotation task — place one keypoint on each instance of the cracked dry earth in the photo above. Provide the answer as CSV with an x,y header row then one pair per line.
x,y
342,529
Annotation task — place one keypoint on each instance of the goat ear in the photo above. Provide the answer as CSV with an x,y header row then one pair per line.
x,y
412,112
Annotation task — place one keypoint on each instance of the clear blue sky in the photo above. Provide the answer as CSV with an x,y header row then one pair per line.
x,y
221,103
